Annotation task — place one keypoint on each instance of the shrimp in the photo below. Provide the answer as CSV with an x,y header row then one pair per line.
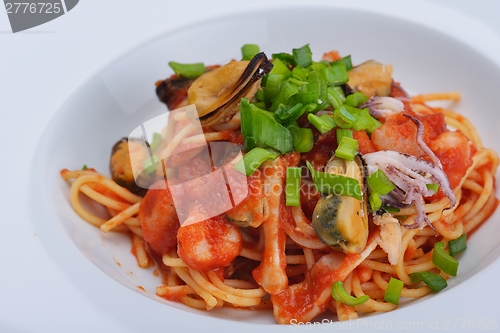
x,y
203,242
454,151
399,133
209,244
452,148
159,221
204,245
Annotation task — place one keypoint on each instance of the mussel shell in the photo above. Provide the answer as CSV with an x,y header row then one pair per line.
x,y
121,169
173,91
224,91
342,221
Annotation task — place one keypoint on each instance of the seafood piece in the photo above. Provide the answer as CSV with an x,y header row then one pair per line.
x,y
380,107
300,230
411,175
159,221
126,155
218,92
421,143
371,78
271,273
204,245
390,236
365,144
454,150
173,91
342,221
430,139
399,132
254,209
301,302
209,244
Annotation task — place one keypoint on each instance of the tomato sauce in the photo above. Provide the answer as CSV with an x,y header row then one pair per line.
x,y
323,147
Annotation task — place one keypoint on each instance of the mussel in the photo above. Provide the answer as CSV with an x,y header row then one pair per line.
x,y
218,92
341,221
126,155
173,91
371,78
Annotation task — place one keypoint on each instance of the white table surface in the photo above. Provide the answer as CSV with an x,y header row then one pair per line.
x,y
38,69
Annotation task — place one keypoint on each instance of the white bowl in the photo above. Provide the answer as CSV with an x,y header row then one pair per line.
x,y
121,96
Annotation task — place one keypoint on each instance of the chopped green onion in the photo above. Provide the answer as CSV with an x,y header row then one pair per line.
x,y
258,127
292,190
363,118
319,66
375,201
303,56
189,71
260,95
433,187
260,105
155,143
335,75
273,85
300,73
318,79
248,51
356,98
347,149
393,291
342,132
280,68
150,164
302,138
322,123
379,182
340,91
435,282
296,81
84,167
346,61
286,58
458,245
390,209
341,295
249,142
287,90
334,97
286,115
376,125
311,107
252,160
401,218
314,91
343,118
442,260
327,119
328,183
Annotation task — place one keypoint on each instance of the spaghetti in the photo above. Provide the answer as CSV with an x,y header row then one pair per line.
x,y
278,262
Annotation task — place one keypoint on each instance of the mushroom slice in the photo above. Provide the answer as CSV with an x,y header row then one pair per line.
x,y
218,92
341,221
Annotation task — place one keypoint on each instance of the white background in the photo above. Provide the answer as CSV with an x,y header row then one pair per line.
x,y
38,69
